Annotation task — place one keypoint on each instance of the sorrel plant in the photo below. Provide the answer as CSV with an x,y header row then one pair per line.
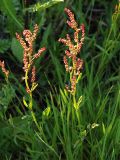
x,y
29,67
63,133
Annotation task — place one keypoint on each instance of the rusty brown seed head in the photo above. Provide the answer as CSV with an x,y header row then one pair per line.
x,y
73,50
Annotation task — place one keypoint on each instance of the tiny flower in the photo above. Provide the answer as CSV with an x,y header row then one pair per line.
x,y
68,54
35,31
20,39
39,52
66,63
28,90
33,74
76,37
73,83
72,23
62,40
25,61
70,69
79,64
27,33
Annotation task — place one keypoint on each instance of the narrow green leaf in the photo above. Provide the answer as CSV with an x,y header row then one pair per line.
x,y
46,112
25,103
8,7
77,106
103,127
39,6
63,96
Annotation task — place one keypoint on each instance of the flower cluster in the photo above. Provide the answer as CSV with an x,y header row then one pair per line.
x,y
5,71
28,55
73,49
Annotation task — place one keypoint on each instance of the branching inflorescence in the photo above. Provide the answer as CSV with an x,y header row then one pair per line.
x,y
29,67
29,56
73,49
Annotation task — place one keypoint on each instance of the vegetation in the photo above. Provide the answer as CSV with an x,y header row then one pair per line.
x,y
56,105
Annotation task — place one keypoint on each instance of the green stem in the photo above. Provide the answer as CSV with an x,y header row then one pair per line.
x,y
26,79
78,117
31,104
35,120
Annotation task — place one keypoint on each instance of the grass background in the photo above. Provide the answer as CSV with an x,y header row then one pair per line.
x,y
63,137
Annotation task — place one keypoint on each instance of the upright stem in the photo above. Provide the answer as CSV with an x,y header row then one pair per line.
x,y
31,103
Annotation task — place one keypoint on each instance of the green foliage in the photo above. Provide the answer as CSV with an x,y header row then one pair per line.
x,y
41,6
7,6
4,45
7,93
46,112
17,49
89,128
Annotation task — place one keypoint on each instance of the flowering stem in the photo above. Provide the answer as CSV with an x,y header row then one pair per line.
x,y
28,58
73,50
31,100
36,123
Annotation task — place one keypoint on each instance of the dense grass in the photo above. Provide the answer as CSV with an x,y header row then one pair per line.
x,y
93,131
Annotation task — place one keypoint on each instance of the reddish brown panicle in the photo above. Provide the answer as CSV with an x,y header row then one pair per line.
x,y
29,57
4,70
37,55
72,23
27,45
74,47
